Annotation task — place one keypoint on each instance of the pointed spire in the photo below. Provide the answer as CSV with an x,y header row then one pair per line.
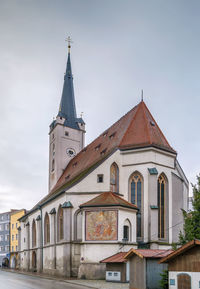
x,y
67,107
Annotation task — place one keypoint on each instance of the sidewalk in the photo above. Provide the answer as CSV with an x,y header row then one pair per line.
x,y
101,284
92,284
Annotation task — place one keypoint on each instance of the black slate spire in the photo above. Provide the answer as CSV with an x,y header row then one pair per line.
x,y
67,108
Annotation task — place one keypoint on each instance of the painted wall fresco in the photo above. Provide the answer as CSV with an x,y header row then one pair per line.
x,y
101,225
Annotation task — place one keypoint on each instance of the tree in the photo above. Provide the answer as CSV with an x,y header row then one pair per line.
x,y
191,227
164,279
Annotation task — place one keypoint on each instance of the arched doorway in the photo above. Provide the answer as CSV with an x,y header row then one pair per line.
x,y
13,262
5,262
184,281
34,260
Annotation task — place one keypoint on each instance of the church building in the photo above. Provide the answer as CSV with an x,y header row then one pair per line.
x,y
124,190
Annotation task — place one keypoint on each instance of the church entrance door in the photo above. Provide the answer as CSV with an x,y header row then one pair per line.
x,y
34,260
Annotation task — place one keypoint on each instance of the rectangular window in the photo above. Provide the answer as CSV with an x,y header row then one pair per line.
x,y
16,225
99,178
1,249
16,248
7,248
12,226
1,227
12,237
12,248
24,240
6,237
172,282
1,238
7,227
16,236
126,233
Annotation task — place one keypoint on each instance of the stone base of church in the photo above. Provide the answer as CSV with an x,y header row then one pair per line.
x,y
95,271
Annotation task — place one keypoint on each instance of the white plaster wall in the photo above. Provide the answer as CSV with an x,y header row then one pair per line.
x,y
89,183
123,215
195,279
93,253
23,235
74,140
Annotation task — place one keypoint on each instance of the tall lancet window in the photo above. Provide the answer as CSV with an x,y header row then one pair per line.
x,y
33,234
60,224
46,229
114,178
161,206
136,185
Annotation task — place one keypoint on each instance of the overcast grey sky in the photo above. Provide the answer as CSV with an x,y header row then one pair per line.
x,y
120,47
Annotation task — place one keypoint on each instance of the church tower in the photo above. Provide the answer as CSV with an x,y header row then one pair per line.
x,y
67,132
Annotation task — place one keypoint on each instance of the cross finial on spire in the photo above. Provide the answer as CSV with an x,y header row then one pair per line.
x,y
69,40
142,95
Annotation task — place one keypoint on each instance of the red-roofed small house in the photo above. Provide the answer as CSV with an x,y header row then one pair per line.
x,y
184,266
117,268
144,267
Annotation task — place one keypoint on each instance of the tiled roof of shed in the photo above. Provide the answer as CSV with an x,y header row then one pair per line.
x,y
180,251
117,258
108,199
148,253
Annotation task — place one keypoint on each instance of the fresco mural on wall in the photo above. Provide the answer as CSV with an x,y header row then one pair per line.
x,y
101,225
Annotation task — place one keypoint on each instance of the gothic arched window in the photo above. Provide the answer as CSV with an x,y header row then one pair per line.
x,y
161,206
60,224
114,178
46,229
127,230
78,225
136,198
33,234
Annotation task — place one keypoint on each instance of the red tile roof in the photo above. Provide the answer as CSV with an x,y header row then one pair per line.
x,y
136,129
108,199
180,251
117,258
148,253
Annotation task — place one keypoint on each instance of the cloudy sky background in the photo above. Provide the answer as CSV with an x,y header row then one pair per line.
x,y
120,47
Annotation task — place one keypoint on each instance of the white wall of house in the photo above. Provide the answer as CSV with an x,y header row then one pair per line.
x,y
195,279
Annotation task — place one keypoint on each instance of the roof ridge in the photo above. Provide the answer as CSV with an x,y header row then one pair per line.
x,y
137,106
157,126
126,201
143,106
114,196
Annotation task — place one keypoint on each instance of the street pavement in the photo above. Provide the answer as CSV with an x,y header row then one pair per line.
x,y
10,280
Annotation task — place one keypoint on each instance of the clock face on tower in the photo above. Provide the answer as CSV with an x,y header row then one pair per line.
x,y
70,152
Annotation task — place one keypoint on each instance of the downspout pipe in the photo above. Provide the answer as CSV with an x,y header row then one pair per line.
x,y
40,208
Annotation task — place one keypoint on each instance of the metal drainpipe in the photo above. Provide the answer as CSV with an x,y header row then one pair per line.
x,y
40,208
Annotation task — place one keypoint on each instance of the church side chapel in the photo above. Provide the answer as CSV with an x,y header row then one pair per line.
x,y
124,190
